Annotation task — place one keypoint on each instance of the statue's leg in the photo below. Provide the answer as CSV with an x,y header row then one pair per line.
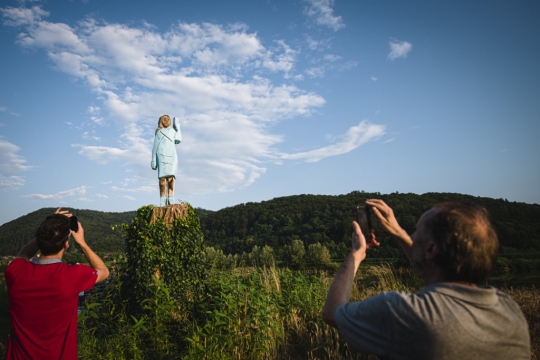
x,y
162,191
170,182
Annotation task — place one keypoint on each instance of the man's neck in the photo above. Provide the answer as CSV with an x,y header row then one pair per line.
x,y
59,255
434,275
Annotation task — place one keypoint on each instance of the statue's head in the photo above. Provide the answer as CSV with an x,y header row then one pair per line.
x,y
164,122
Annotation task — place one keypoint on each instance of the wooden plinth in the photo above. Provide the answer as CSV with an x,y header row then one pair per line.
x,y
169,213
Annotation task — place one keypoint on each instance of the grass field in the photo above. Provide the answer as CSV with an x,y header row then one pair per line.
x,y
250,313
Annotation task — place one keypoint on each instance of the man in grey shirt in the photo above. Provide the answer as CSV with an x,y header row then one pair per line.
x,y
454,248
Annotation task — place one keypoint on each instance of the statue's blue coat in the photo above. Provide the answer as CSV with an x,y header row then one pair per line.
x,y
164,152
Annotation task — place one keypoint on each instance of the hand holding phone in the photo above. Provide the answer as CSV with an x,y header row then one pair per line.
x,y
363,217
73,223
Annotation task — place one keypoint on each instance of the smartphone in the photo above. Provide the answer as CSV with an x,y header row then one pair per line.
x,y
73,223
363,217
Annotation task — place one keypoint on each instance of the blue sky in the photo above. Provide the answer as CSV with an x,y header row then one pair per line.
x,y
275,98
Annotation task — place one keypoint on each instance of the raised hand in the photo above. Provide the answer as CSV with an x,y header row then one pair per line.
x,y
63,212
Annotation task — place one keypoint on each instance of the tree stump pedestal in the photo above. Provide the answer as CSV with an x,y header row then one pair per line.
x,y
169,213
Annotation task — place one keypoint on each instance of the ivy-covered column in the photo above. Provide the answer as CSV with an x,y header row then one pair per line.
x,y
164,248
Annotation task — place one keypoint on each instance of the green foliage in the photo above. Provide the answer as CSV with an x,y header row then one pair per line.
x,y
175,255
73,257
97,230
310,218
108,331
294,254
216,259
318,256
248,313
242,320
327,220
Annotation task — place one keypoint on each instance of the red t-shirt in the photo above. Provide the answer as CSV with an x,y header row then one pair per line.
x,y
43,303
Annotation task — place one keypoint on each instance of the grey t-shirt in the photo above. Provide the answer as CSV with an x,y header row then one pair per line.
x,y
443,321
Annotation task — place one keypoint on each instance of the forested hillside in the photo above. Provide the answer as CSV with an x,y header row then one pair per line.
x,y
327,220
97,228
310,218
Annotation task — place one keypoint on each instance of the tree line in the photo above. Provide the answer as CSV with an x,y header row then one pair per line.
x,y
326,220
98,229
292,225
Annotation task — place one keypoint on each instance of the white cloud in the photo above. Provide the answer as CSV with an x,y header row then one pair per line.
x,y
94,110
81,190
322,12
355,136
84,199
329,62
315,72
98,120
11,182
332,57
312,43
399,49
10,162
282,62
88,136
216,78
128,197
139,189
374,79
101,196
22,16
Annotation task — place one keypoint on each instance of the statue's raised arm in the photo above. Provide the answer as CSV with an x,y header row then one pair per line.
x,y
164,157
176,126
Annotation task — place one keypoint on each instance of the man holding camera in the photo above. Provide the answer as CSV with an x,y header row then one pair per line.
x,y
43,292
454,248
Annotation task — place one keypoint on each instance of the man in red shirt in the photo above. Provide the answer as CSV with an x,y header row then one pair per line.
x,y
43,292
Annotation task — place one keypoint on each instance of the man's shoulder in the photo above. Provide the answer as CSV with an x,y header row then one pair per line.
x,y
380,303
17,260
15,263
78,267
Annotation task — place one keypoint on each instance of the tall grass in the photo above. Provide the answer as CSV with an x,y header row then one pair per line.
x,y
529,302
248,313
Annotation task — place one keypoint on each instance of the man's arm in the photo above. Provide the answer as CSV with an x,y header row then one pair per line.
x,y
94,260
29,250
388,221
341,287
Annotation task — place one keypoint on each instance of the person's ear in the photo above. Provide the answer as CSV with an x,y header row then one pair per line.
x,y
431,250
66,245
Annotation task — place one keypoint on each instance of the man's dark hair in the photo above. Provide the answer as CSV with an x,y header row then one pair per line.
x,y
52,234
468,245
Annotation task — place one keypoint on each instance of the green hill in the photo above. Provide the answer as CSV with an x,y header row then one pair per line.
x,y
310,218
97,228
327,220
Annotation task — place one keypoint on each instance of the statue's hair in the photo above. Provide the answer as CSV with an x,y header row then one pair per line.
x,y
163,121
52,234
468,244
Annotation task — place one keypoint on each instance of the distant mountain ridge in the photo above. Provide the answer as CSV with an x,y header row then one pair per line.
x,y
324,219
